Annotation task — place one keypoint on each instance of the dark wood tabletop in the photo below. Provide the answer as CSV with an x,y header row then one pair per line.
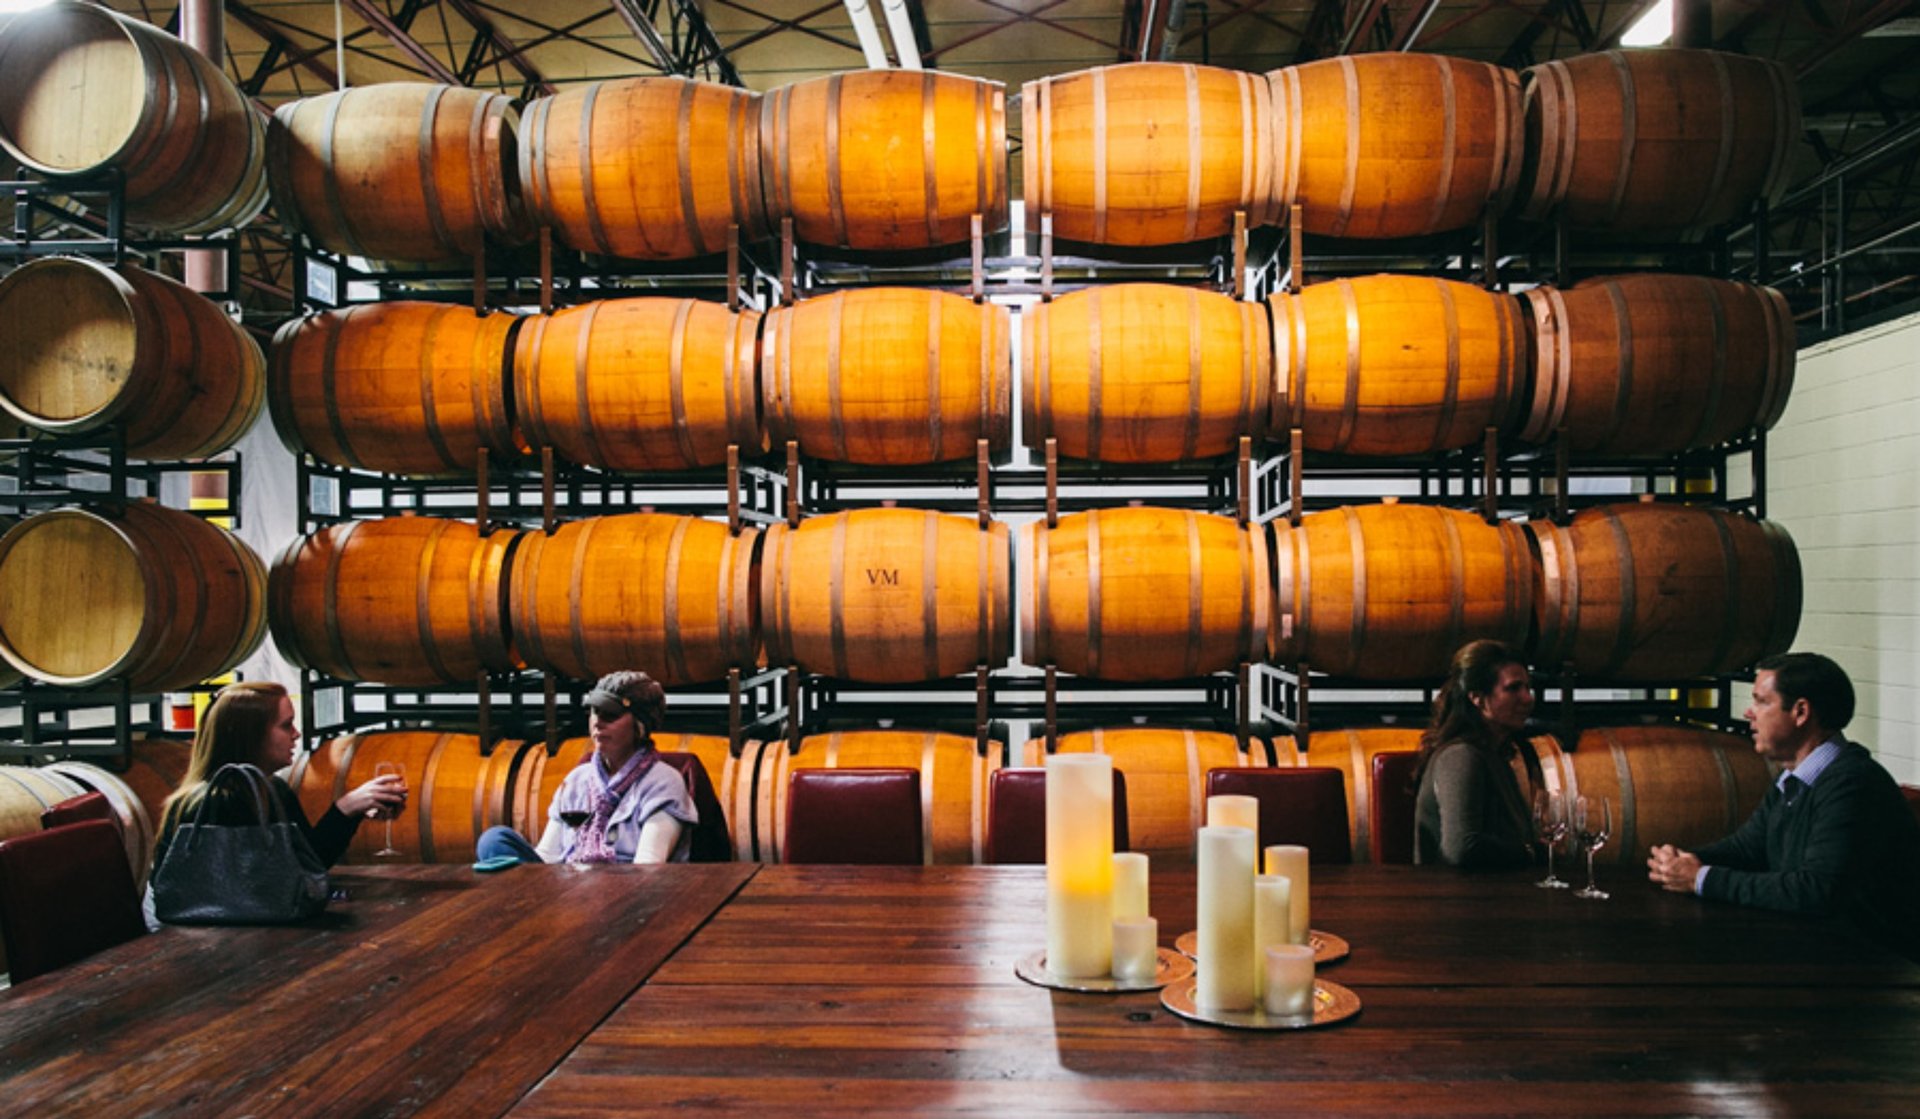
x,y
428,990
883,990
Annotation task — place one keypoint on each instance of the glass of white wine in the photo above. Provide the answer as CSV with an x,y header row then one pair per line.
x,y
1593,820
1550,827
388,812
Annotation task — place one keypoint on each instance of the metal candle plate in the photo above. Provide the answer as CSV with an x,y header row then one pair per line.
x,y
1331,1003
1327,948
1173,967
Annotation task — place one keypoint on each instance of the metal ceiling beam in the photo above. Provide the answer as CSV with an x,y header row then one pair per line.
x,y
1360,28
307,59
1323,29
504,48
1852,30
1408,33
795,24
1238,8
1020,17
408,45
1520,52
641,25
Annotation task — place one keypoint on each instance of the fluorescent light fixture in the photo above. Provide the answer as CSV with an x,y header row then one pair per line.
x,y
864,29
14,7
1653,29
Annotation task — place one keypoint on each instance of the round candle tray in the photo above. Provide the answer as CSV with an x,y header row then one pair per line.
x,y
1327,948
1331,1003
1173,967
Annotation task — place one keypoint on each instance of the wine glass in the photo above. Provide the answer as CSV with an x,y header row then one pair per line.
x,y
388,812
1550,825
1593,819
574,818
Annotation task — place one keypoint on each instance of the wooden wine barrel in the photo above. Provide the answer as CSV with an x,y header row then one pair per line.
x,y
1166,772
888,376
84,345
154,595
1653,364
453,792
399,171
89,91
27,791
539,777
954,779
886,595
1388,592
1666,141
1663,592
640,384
646,168
885,159
138,829
1145,373
1669,784
158,767
1143,593
1396,365
1395,145
401,600
401,387
672,593
1147,153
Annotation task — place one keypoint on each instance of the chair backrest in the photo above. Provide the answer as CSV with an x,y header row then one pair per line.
x,y
86,806
1306,805
1390,808
1017,815
1912,793
65,893
712,842
868,816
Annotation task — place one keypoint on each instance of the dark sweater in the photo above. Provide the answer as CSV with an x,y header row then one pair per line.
x,y
1848,846
1470,812
329,837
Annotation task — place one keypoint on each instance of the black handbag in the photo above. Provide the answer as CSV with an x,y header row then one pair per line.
x,y
263,873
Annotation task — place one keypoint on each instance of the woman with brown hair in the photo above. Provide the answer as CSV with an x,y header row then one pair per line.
x,y
1470,811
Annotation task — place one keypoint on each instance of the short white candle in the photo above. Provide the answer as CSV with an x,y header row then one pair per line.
x,y
1291,862
1289,975
1129,885
1136,948
1234,812
1227,978
1080,865
1272,916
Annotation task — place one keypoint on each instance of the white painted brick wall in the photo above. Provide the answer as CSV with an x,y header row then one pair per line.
x,y
1843,476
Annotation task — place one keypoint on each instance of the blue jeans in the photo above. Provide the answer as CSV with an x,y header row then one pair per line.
x,y
497,841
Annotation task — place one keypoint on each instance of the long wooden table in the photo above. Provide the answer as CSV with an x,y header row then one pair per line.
x,y
428,990
832,990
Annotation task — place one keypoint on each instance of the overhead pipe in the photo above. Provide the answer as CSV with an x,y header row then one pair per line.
x,y
900,25
1692,24
868,32
203,26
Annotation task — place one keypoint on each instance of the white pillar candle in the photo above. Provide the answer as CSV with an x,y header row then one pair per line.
x,y
1272,917
1080,865
1136,948
1227,978
1234,812
1291,862
1289,981
1129,885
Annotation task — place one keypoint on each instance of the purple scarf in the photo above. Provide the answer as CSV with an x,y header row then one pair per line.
x,y
591,844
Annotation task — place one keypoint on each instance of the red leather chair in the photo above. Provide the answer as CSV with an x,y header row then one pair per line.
x,y
712,842
1017,815
1390,808
1912,793
1305,805
65,893
86,806
869,817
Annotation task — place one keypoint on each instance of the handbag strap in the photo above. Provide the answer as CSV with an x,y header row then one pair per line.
x,y
267,807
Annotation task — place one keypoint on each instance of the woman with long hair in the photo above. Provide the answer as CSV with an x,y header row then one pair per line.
x,y
251,723
1470,811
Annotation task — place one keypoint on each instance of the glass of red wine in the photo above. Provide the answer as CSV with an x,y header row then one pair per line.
x,y
574,818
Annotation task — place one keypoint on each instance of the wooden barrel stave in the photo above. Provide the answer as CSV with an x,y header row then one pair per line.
x,y
1166,774
401,387
885,159
154,595
1143,593
1145,373
1396,365
1388,592
1395,144
607,593
399,171
84,345
640,384
888,376
402,600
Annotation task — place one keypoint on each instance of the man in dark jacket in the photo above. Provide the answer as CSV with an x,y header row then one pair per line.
x,y
1833,836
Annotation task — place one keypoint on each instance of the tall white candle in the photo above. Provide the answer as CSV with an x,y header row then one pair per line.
x,y
1129,885
1080,865
1227,977
1291,862
1136,948
1272,916
1289,981
1234,812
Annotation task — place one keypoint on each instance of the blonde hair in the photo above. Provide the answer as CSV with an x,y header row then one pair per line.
x,y
234,729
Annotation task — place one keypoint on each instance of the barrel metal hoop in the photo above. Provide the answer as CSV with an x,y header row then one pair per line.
x,y
423,600
1350,397
836,405
1626,815
676,650
930,157
676,383
1093,592
429,410
1357,623
1190,436
1350,177
930,597
1096,358
1623,365
936,448
1450,140
1196,158
1450,392
1100,139
429,184
335,541
836,197
683,168
1457,578
576,578
596,228
1629,135
1196,595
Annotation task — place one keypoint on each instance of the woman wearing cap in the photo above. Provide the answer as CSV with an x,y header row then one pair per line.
x,y
638,811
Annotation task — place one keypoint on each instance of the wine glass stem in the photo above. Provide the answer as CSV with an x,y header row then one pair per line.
x,y
1549,862
1589,870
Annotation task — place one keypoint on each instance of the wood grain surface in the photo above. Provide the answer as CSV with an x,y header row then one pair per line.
x,y
429,990
888,990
